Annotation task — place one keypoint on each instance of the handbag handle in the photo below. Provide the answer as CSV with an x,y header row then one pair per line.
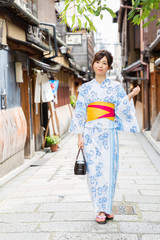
x,y
80,149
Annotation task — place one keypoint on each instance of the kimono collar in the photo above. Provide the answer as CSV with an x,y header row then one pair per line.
x,y
100,84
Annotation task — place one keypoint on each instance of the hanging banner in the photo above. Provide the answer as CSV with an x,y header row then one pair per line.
x,y
54,85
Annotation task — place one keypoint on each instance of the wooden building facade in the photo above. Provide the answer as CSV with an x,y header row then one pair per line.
x,y
29,48
139,53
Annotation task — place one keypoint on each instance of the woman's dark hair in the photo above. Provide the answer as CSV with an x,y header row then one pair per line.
x,y
103,53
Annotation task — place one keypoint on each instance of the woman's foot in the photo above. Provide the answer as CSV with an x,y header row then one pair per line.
x,y
102,217
110,216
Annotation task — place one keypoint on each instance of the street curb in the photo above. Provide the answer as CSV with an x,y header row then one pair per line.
x,y
28,162
149,150
21,168
153,142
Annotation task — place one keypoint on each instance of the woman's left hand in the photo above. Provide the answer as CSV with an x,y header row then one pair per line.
x,y
134,92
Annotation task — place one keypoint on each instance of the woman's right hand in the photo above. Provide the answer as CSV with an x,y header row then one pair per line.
x,y
80,141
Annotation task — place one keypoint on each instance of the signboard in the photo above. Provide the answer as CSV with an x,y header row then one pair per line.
x,y
73,39
54,85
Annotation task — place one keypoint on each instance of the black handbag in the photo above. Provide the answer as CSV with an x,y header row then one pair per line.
x,y
80,166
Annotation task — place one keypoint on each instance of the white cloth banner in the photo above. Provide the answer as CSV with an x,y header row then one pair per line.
x,y
43,91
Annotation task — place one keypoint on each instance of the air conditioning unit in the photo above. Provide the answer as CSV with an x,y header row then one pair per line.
x,y
3,33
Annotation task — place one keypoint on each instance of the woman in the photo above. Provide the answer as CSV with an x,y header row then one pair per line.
x,y
102,109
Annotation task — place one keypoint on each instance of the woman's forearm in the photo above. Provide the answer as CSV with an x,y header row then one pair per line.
x,y
130,96
80,141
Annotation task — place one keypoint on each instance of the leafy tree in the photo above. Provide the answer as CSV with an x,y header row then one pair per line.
x,y
86,8
144,9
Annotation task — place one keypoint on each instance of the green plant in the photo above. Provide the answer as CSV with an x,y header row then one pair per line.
x,y
96,8
73,101
87,9
52,140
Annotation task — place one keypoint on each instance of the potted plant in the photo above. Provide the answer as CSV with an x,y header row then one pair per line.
x,y
53,142
73,101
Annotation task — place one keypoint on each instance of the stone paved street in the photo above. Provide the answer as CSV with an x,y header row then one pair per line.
x,y
47,202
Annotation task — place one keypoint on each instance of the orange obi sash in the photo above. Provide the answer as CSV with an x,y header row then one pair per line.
x,y
98,110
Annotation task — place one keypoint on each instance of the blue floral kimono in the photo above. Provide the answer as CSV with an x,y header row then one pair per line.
x,y
101,146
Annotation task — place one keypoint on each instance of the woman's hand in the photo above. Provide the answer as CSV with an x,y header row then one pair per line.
x,y
80,141
134,92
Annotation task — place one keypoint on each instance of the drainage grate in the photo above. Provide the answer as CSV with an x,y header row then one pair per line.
x,y
126,210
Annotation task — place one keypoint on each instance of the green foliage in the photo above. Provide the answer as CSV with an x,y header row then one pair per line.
x,y
143,13
52,140
79,23
73,101
98,8
86,8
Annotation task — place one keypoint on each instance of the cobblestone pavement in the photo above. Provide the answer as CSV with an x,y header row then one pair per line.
x,y
47,202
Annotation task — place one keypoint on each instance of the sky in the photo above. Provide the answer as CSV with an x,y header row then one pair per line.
x,y
108,30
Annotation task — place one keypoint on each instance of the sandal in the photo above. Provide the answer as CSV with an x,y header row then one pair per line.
x,y
105,218
109,216
101,219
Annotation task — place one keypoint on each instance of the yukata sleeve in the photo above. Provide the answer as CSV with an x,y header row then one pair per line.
x,y
80,114
125,112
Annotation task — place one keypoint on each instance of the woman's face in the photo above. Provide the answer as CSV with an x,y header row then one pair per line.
x,y
100,67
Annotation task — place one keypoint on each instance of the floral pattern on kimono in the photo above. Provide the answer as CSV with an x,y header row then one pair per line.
x,y
101,146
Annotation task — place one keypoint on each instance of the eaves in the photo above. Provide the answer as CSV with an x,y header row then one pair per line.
x,y
46,67
24,13
155,45
136,66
